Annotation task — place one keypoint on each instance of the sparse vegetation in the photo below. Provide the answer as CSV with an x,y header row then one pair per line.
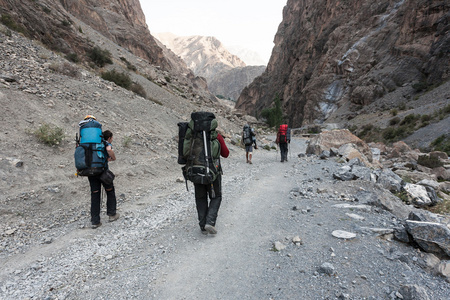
x,y
9,22
138,89
129,65
394,121
420,86
442,208
66,23
99,56
442,143
273,115
49,134
429,161
394,112
121,79
73,57
65,68
126,142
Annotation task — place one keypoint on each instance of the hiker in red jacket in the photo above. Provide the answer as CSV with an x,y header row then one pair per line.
x,y
283,138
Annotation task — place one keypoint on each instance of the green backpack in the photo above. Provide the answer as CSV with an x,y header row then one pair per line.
x,y
201,149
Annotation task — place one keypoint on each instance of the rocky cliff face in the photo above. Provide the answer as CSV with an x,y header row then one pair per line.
x,y
330,54
231,83
122,21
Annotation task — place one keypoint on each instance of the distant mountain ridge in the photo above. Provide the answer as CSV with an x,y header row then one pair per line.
x,y
206,56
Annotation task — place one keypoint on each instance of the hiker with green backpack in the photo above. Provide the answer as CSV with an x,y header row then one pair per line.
x,y
200,148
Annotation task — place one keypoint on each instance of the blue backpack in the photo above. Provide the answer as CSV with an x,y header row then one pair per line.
x,y
90,153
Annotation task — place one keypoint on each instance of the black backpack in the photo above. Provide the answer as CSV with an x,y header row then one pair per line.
x,y
247,135
201,149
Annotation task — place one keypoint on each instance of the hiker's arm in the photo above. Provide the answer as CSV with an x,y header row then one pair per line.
x,y
224,152
111,154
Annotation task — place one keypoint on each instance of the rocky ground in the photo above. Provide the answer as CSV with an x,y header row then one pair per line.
x,y
277,226
280,237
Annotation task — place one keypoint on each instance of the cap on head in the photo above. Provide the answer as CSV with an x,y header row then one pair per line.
x,y
90,117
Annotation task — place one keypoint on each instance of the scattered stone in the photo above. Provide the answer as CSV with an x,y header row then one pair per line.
x,y
278,246
413,292
326,268
341,234
297,240
356,217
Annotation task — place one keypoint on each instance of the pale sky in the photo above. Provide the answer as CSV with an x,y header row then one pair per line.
x,y
251,24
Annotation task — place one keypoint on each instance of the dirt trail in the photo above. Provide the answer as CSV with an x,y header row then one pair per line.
x,y
156,250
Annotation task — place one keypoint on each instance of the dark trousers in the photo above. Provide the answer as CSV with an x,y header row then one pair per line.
x,y
207,214
111,203
284,151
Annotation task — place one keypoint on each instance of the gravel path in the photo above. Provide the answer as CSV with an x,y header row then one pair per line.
x,y
156,251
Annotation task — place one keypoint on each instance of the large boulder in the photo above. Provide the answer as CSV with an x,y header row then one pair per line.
x,y
431,237
389,180
337,138
421,196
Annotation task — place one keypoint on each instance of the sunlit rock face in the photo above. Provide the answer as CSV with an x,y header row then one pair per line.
x,y
329,54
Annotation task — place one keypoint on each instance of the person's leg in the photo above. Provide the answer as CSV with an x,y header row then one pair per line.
x,y
250,157
201,201
111,202
246,156
215,202
96,185
283,151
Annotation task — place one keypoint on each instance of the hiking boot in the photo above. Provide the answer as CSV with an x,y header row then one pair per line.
x,y
94,226
203,230
250,162
210,229
113,218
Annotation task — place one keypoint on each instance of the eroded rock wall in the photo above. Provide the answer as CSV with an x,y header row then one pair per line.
x,y
328,53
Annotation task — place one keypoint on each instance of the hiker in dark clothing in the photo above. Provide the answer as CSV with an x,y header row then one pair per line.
x,y
96,185
207,214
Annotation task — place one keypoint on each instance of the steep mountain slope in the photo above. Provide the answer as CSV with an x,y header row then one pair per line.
x,y
231,83
58,24
226,74
349,54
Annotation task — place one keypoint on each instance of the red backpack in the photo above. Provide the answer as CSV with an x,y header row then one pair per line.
x,y
283,133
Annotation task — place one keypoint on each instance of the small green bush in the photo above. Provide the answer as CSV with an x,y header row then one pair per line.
x,y
273,115
121,79
442,143
394,112
126,142
394,121
99,56
66,23
429,162
420,86
9,22
410,119
49,134
73,57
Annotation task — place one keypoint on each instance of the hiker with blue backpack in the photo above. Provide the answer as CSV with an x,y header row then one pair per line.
x,y
200,147
93,151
